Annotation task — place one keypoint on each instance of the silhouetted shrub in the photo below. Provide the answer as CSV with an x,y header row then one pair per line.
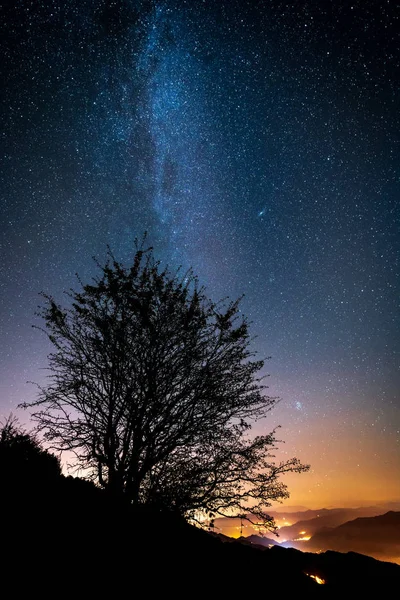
x,y
26,468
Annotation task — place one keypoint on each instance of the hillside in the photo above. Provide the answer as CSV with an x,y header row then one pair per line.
x,y
72,539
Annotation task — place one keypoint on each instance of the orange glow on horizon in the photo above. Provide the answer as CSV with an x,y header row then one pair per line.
x,y
361,470
354,460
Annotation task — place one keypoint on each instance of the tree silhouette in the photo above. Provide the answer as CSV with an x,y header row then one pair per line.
x,y
154,388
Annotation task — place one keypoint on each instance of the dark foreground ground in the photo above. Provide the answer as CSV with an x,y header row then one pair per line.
x,y
72,541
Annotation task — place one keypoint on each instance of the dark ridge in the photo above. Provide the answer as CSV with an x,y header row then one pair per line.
x,y
71,538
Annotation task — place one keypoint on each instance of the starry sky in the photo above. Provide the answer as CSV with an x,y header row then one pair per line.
x,y
257,142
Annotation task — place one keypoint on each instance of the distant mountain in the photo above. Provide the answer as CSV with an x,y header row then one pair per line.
x,y
292,523
257,540
390,506
235,527
307,527
377,536
291,509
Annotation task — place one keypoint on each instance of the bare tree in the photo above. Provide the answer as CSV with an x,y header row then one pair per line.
x,y
154,388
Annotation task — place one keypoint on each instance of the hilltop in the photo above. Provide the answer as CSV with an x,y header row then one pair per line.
x,y
72,538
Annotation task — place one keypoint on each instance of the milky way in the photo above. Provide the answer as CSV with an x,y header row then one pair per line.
x,y
256,142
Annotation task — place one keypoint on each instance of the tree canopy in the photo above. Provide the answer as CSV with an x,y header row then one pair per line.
x,y
154,387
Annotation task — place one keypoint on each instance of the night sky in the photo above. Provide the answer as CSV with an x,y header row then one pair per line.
x,y
257,142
